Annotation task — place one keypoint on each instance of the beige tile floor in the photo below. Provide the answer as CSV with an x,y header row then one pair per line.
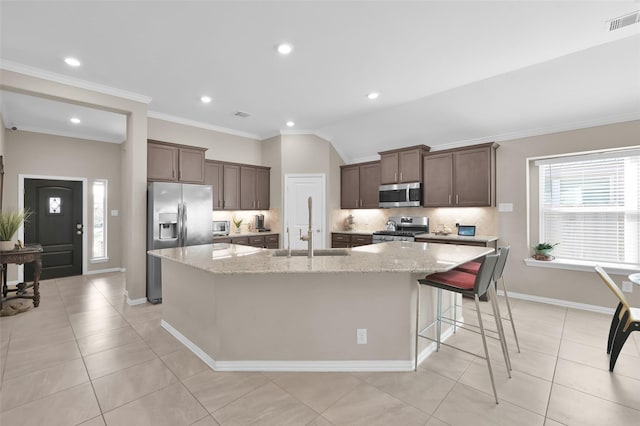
x,y
86,357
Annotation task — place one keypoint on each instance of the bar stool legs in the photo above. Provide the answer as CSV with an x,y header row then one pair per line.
x,y
513,326
486,348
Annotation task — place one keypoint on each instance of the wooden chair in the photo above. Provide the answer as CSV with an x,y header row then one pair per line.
x,y
625,320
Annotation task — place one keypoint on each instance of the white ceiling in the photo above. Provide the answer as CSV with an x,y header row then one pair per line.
x,y
448,73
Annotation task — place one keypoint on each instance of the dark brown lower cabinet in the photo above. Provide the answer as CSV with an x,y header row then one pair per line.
x,y
339,240
270,241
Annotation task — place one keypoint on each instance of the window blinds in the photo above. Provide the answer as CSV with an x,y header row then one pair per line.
x,y
591,206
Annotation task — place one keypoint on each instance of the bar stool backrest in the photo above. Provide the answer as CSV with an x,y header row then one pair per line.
x,y
485,273
502,261
614,288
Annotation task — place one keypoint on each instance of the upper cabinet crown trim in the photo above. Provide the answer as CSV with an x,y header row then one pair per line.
x,y
406,148
176,145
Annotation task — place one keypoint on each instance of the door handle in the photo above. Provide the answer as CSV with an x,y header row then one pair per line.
x,y
184,223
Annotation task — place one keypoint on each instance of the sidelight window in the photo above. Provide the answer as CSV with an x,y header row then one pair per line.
x,y
99,248
590,205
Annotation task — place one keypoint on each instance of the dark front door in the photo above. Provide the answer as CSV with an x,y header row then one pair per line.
x,y
56,224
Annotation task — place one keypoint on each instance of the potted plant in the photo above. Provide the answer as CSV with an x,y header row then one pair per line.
x,y
544,249
238,223
10,222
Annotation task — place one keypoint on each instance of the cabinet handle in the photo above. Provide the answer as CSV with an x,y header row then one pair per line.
x,y
173,174
400,176
180,174
360,203
457,199
395,176
356,203
218,203
449,198
258,204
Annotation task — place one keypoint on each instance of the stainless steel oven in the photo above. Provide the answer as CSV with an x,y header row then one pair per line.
x,y
400,195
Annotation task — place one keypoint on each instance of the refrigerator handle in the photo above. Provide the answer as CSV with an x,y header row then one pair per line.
x,y
184,224
179,224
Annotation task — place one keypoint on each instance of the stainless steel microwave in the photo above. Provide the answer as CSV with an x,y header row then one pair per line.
x,y
220,227
400,195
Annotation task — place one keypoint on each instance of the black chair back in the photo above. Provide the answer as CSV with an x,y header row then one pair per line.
x,y
485,274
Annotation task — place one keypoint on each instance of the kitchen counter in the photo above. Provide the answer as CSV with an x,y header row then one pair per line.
x,y
241,308
462,239
393,256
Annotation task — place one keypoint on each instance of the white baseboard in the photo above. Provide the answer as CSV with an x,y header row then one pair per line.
x,y
317,366
103,271
189,344
559,302
132,302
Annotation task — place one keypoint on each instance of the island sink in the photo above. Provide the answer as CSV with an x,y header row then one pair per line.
x,y
321,252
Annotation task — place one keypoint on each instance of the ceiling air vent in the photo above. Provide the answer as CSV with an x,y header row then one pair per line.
x,y
624,21
242,114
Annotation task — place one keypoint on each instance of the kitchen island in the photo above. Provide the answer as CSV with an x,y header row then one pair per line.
x,y
242,308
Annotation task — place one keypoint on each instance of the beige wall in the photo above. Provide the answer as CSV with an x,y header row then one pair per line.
x,y
134,170
69,157
580,287
309,154
3,132
220,146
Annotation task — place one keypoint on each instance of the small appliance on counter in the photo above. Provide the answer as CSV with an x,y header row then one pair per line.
x,y
259,224
220,227
402,228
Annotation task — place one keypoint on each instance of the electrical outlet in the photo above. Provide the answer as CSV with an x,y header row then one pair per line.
x,y
627,286
361,336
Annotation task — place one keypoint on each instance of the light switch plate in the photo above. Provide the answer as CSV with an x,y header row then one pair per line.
x,y
114,212
505,207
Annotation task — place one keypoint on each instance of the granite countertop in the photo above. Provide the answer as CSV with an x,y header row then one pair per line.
x,y
353,232
393,256
245,234
455,237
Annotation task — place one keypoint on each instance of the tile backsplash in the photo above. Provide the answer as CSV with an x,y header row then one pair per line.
x,y
271,218
369,220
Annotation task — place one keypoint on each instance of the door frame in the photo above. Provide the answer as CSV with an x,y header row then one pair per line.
x,y
292,176
21,178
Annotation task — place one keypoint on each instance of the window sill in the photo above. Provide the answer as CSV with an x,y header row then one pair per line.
x,y
99,260
577,265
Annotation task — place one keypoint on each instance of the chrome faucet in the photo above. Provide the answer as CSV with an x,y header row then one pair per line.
x,y
309,237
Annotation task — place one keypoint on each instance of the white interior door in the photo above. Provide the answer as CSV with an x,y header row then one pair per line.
x,y
298,189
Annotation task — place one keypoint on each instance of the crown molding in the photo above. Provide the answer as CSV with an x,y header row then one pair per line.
x,y
574,125
71,81
74,135
193,123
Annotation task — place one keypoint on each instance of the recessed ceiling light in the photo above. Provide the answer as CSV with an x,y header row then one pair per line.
x,y
290,124
284,48
72,62
205,99
373,95
75,120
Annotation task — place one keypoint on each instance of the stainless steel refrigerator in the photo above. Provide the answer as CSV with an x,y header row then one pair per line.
x,y
178,215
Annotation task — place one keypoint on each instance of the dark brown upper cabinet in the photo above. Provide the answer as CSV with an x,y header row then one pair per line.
x,y
238,186
402,165
462,177
168,162
359,184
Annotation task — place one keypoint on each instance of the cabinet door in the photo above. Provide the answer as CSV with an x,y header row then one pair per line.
x,y
191,165
162,163
350,187
472,177
262,188
389,168
257,241
369,186
437,186
272,241
231,185
247,188
361,240
214,176
340,240
410,166
243,241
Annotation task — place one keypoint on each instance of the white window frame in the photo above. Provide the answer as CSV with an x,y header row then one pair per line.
x,y
105,257
536,222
